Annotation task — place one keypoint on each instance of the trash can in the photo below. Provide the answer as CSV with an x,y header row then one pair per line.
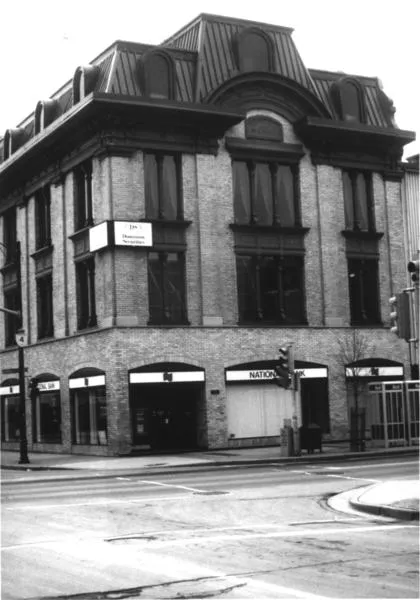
x,y
310,438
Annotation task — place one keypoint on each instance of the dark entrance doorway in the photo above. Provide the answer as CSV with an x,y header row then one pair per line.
x,y
164,416
315,405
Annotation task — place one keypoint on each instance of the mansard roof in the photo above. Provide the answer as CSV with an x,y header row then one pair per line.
x,y
207,78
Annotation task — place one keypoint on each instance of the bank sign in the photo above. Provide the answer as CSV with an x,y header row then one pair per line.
x,y
267,374
120,233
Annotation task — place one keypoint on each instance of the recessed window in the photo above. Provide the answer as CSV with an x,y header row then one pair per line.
x,y
156,73
11,299
254,51
348,100
364,291
44,296
43,218
358,201
270,289
45,113
166,275
265,193
83,195
89,416
13,139
163,187
10,235
47,417
84,81
10,418
85,294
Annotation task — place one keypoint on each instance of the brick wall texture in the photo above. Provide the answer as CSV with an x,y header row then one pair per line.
x,y
213,341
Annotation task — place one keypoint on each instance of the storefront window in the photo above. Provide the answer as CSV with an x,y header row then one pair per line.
x,y
46,418
10,431
89,416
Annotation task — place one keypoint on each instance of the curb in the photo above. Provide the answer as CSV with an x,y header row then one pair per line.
x,y
168,470
404,514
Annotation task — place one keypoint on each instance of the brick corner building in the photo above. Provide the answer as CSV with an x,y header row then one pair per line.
x,y
175,214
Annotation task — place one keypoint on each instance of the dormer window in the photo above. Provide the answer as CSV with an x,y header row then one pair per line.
x,y
84,81
254,51
13,139
156,75
348,99
45,113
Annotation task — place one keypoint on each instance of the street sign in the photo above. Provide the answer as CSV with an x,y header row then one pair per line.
x,y
21,338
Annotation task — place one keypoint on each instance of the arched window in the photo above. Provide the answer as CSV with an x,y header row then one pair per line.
x,y
157,76
348,100
45,113
13,139
254,51
84,81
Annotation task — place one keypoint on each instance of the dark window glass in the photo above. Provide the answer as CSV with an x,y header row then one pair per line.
x,y
45,306
253,52
85,294
9,235
350,102
11,323
43,218
158,76
358,201
46,418
162,180
167,287
364,291
270,289
265,194
83,195
89,416
10,419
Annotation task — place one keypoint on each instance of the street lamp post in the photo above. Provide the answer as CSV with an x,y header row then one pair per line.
x,y
21,342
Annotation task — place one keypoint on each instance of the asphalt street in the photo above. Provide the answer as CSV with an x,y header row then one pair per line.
x,y
261,532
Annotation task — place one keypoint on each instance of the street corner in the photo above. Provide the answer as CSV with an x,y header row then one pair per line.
x,y
391,499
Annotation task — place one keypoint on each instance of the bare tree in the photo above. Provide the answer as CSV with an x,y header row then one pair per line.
x,y
353,347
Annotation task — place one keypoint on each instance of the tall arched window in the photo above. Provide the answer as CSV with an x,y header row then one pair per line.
x,y
46,112
84,81
348,100
254,51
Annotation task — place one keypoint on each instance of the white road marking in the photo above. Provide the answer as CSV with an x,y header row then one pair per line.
x,y
97,502
170,485
279,534
355,478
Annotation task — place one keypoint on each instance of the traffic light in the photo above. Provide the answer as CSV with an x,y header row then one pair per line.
x,y
400,315
282,368
413,268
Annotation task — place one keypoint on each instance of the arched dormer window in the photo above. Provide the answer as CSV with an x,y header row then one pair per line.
x,y
84,81
348,100
254,51
13,139
45,113
157,75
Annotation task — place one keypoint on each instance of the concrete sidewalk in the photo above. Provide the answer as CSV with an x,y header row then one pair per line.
x,y
46,467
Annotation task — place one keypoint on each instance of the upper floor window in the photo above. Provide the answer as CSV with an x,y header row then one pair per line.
x,y
84,81
11,300
167,288
358,201
13,139
44,290
265,193
364,291
83,195
163,186
156,72
348,99
10,235
85,293
43,218
254,51
270,289
45,113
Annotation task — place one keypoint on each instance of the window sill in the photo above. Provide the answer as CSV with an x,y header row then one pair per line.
x,y
265,324
361,235
180,223
168,325
42,251
269,228
367,324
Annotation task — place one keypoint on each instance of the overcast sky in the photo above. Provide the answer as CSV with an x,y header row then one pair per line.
x,y
43,41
